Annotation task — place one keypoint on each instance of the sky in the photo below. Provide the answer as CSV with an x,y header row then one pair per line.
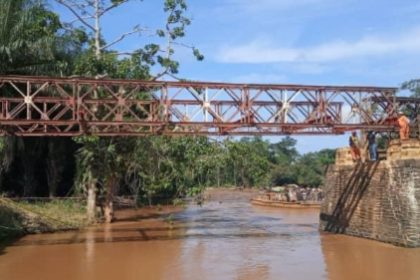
x,y
314,42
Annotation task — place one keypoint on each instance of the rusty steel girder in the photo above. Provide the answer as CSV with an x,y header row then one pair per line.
x,y
46,106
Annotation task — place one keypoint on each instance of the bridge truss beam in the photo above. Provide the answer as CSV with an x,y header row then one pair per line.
x,y
45,106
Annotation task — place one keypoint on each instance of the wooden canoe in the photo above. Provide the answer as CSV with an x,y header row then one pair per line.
x,y
285,204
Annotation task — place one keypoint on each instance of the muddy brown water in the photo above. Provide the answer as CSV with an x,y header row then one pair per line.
x,y
226,238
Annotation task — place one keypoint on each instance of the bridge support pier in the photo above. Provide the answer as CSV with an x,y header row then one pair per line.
x,y
375,200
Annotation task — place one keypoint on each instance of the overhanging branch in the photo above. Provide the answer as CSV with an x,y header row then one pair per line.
x,y
79,17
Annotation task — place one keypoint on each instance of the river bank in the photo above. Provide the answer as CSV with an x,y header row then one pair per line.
x,y
20,218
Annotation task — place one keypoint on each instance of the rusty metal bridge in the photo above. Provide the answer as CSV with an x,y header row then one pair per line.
x,y
46,106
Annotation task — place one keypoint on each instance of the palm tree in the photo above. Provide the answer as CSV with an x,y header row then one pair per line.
x,y
29,45
27,37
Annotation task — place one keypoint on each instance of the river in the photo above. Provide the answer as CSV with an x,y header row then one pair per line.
x,y
226,238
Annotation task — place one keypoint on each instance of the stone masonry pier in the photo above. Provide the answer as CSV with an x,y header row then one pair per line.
x,y
376,200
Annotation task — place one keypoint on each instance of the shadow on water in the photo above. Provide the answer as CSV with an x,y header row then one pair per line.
x,y
145,216
6,243
350,198
2,248
380,261
184,226
141,217
145,237
173,233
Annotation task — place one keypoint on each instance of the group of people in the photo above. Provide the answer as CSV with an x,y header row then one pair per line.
x,y
372,146
404,125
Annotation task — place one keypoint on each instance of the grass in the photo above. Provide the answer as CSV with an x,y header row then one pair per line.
x,y
18,218
178,202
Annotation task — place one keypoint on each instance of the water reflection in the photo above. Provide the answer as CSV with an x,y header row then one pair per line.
x,y
227,238
89,243
355,258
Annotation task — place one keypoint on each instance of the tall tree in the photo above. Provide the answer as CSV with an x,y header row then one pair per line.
x,y
413,86
412,111
283,156
90,15
311,167
101,59
31,43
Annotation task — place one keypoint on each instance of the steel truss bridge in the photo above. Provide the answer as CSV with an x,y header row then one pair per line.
x,y
46,106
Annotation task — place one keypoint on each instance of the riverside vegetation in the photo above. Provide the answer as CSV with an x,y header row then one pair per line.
x,y
18,218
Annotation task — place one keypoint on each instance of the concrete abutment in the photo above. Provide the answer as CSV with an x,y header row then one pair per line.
x,y
377,200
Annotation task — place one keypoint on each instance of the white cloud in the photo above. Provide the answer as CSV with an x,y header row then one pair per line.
x,y
260,51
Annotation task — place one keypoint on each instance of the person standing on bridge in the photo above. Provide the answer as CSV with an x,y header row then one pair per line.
x,y
373,147
354,146
404,124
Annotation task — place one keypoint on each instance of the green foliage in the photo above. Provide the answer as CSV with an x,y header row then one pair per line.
x,y
101,159
29,43
198,54
161,168
411,110
282,156
118,2
170,167
136,66
248,162
413,86
311,167
176,24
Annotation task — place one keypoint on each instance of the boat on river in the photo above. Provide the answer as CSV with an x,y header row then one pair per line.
x,y
284,204
276,199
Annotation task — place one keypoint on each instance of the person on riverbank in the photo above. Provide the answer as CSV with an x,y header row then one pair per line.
x,y
372,146
404,124
354,146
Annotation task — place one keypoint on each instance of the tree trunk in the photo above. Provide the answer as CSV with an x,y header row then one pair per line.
x,y
91,201
234,175
52,176
218,176
30,154
52,190
55,164
98,51
109,205
29,179
1,179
